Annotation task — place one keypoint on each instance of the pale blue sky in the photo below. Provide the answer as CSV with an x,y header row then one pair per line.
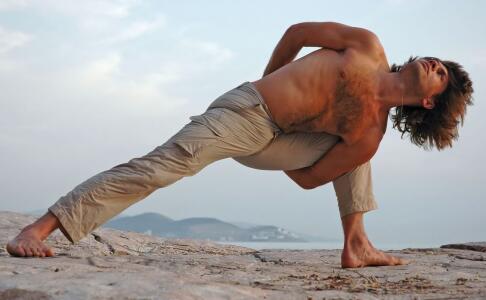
x,y
88,85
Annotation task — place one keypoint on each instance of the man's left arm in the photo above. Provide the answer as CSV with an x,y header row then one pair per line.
x,y
340,159
286,50
330,35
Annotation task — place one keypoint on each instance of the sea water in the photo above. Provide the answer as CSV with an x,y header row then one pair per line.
x,y
324,245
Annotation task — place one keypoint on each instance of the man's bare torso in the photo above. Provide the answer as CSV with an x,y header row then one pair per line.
x,y
327,91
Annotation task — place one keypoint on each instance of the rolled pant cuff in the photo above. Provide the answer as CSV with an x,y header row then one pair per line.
x,y
360,205
66,223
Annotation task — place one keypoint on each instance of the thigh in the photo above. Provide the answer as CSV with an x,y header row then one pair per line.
x,y
290,151
217,134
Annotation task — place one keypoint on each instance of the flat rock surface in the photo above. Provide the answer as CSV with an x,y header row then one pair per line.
x,y
125,265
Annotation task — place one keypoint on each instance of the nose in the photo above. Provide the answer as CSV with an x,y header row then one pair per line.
x,y
433,64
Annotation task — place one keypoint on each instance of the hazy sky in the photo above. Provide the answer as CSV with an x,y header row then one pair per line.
x,y
86,85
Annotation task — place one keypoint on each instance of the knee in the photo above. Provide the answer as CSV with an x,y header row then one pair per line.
x,y
165,161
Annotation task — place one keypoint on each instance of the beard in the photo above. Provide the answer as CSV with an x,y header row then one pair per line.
x,y
414,78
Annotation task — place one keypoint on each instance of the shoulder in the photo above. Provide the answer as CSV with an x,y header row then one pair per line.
x,y
368,47
362,38
369,44
370,41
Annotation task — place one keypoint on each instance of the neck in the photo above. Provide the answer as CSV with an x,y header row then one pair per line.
x,y
392,91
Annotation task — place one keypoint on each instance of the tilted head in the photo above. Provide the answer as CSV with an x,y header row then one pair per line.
x,y
444,89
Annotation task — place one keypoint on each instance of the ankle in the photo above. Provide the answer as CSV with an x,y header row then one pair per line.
x,y
43,227
356,241
32,229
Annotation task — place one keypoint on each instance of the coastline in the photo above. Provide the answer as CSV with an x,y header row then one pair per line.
x,y
113,264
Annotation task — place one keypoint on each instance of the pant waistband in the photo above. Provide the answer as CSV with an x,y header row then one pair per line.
x,y
249,87
243,96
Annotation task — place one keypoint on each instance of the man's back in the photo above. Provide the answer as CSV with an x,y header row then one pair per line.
x,y
327,90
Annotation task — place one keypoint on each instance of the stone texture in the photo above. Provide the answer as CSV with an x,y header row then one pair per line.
x,y
111,264
481,247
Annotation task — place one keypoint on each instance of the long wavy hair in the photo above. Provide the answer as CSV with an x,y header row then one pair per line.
x,y
436,127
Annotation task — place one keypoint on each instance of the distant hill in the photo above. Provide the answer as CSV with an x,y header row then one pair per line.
x,y
140,223
307,237
202,228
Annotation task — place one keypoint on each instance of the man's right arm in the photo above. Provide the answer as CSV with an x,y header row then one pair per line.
x,y
340,159
330,35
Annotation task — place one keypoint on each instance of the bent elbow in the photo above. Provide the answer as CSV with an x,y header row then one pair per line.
x,y
310,185
304,184
307,186
295,26
294,31
305,178
291,30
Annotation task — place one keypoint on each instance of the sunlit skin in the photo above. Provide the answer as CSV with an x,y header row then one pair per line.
x,y
28,243
345,89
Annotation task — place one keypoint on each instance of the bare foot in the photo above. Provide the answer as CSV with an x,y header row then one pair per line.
x,y
28,243
360,253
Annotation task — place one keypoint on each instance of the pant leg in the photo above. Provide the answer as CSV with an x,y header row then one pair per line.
x,y
354,189
216,134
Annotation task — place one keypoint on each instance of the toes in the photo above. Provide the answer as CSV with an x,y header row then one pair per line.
x,y
401,261
392,260
396,261
48,251
371,257
39,252
16,251
28,252
28,247
11,249
34,251
21,251
383,259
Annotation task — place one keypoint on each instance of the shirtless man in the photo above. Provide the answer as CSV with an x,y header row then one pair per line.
x,y
344,90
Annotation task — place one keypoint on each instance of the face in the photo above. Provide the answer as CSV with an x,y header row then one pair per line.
x,y
428,76
435,73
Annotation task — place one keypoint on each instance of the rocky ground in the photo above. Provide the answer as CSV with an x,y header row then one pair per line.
x,y
111,264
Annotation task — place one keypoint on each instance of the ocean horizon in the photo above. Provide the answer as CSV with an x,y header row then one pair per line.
x,y
324,245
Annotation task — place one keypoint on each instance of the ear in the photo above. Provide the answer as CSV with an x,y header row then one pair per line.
x,y
428,103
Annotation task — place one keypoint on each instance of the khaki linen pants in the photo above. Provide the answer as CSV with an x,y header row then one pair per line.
x,y
237,124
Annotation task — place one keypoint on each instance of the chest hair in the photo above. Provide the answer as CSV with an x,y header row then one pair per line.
x,y
350,103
